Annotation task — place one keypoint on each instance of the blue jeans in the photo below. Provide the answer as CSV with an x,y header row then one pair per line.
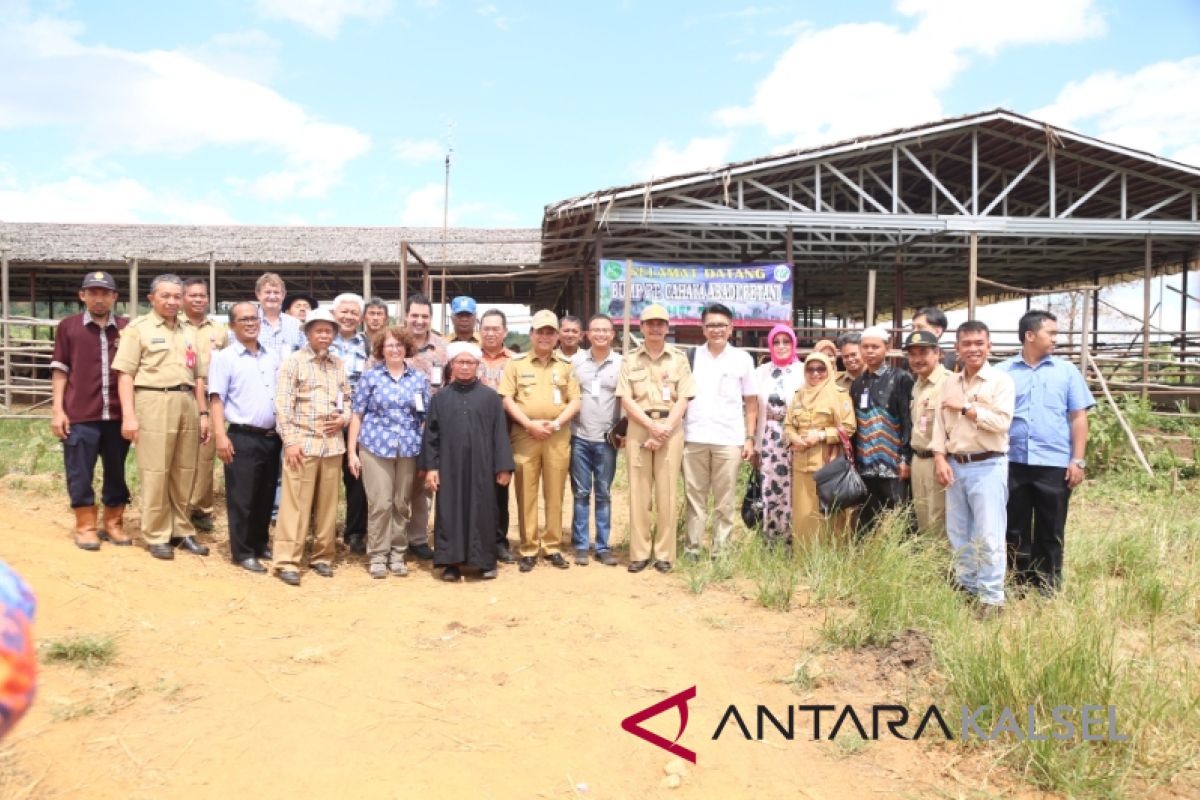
x,y
976,522
593,465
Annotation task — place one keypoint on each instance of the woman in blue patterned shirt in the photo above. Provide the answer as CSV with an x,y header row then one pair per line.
x,y
389,408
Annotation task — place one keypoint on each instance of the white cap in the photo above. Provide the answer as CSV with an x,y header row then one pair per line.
x,y
320,315
877,332
456,349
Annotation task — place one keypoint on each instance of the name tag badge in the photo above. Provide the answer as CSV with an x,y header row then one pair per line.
x,y
190,358
557,396
419,402
666,393
436,375
595,392
923,424
865,400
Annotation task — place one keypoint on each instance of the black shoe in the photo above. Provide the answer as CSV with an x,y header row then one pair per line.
x,y
557,560
504,555
190,544
663,566
421,551
638,566
489,574
266,553
606,558
251,564
451,574
324,570
163,551
528,563
356,543
289,576
202,522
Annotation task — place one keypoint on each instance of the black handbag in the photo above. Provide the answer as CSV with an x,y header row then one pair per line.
x,y
752,502
838,483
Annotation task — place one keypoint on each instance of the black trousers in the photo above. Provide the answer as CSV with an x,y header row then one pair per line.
x,y
250,491
502,515
86,442
1037,519
882,494
356,502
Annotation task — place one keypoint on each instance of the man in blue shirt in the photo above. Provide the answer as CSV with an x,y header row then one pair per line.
x,y
351,347
1047,444
241,392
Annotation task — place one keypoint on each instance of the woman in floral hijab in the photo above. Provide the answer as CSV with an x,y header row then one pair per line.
x,y
777,381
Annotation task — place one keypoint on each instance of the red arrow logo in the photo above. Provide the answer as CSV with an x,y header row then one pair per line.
x,y
632,724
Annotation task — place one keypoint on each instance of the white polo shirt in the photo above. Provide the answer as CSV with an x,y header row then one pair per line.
x,y
716,415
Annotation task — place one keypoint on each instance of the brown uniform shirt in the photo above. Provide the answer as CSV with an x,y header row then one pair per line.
x,y
993,394
159,356
210,336
541,388
926,399
833,410
655,384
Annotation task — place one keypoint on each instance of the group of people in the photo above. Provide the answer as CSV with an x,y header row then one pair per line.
x,y
294,398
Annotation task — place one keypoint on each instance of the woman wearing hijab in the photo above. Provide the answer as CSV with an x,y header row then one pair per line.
x,y
777,380
818,409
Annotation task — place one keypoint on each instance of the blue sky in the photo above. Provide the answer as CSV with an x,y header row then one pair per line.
x,y
340,111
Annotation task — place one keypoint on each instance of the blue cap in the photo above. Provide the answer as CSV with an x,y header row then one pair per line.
x,y
462,305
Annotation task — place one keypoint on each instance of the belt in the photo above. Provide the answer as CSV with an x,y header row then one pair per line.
x,y
922,453
658,414
971,458
183,387
240,428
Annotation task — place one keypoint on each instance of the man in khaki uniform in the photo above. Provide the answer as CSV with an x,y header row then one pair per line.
x,y
654,385
210,337
541,395
929,496
161,386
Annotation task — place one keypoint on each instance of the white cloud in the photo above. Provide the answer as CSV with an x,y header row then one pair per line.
x,y
423,208
853,79
162,101
697,154
489,11
1156,109
115,200
323,17
247,54
418,151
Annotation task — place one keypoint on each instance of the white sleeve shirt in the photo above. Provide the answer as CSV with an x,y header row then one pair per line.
x,y
716,415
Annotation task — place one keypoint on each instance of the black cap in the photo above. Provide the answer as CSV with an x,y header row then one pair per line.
x,y
920,339
100,280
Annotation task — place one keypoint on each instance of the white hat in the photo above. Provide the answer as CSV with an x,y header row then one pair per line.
x,y
456,349
876,332
319,315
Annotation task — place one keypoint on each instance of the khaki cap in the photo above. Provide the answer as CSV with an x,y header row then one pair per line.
x,y
655,311
544,319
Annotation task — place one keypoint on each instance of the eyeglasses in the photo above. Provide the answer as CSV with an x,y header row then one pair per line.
x,y
815,369
393,346
716,326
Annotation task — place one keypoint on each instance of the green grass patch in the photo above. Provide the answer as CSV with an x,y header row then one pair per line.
x,y
85,651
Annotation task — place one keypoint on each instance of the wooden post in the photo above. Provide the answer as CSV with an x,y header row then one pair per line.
x,y
403,278
870,317
627,341
366,281
972,275
212,282
4,299
1083,336
1095,313
1146,277
133,289
1183,328
599,251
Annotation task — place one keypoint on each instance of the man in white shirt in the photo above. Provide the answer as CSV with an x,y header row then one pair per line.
x,y
718,429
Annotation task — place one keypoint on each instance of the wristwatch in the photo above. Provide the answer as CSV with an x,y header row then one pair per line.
x,y
967,408
1079,462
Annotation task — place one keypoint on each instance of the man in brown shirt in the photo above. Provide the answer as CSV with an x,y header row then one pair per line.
x,y
970,452
429,359
86,413
925,360
493,330
210,337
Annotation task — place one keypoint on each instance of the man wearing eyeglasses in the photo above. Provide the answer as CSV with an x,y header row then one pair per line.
x,y
241,392
718,430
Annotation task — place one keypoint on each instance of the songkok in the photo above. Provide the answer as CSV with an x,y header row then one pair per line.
x,y
877,332
456,349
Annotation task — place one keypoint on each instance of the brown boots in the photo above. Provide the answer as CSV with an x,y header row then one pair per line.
x,y
114,526
85,528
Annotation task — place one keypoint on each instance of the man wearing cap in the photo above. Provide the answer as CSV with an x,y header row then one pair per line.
x,y
210,337
541,395
929,496
241,392
350,346
463,321
430,360
493,330
970,451
86,411
312,408
718,429
882,396
1047,446
654,385
165,413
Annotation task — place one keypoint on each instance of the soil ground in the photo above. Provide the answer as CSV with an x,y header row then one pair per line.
x,y
229,684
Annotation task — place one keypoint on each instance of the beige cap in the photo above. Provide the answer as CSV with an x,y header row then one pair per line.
x,y
544,319
655,311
